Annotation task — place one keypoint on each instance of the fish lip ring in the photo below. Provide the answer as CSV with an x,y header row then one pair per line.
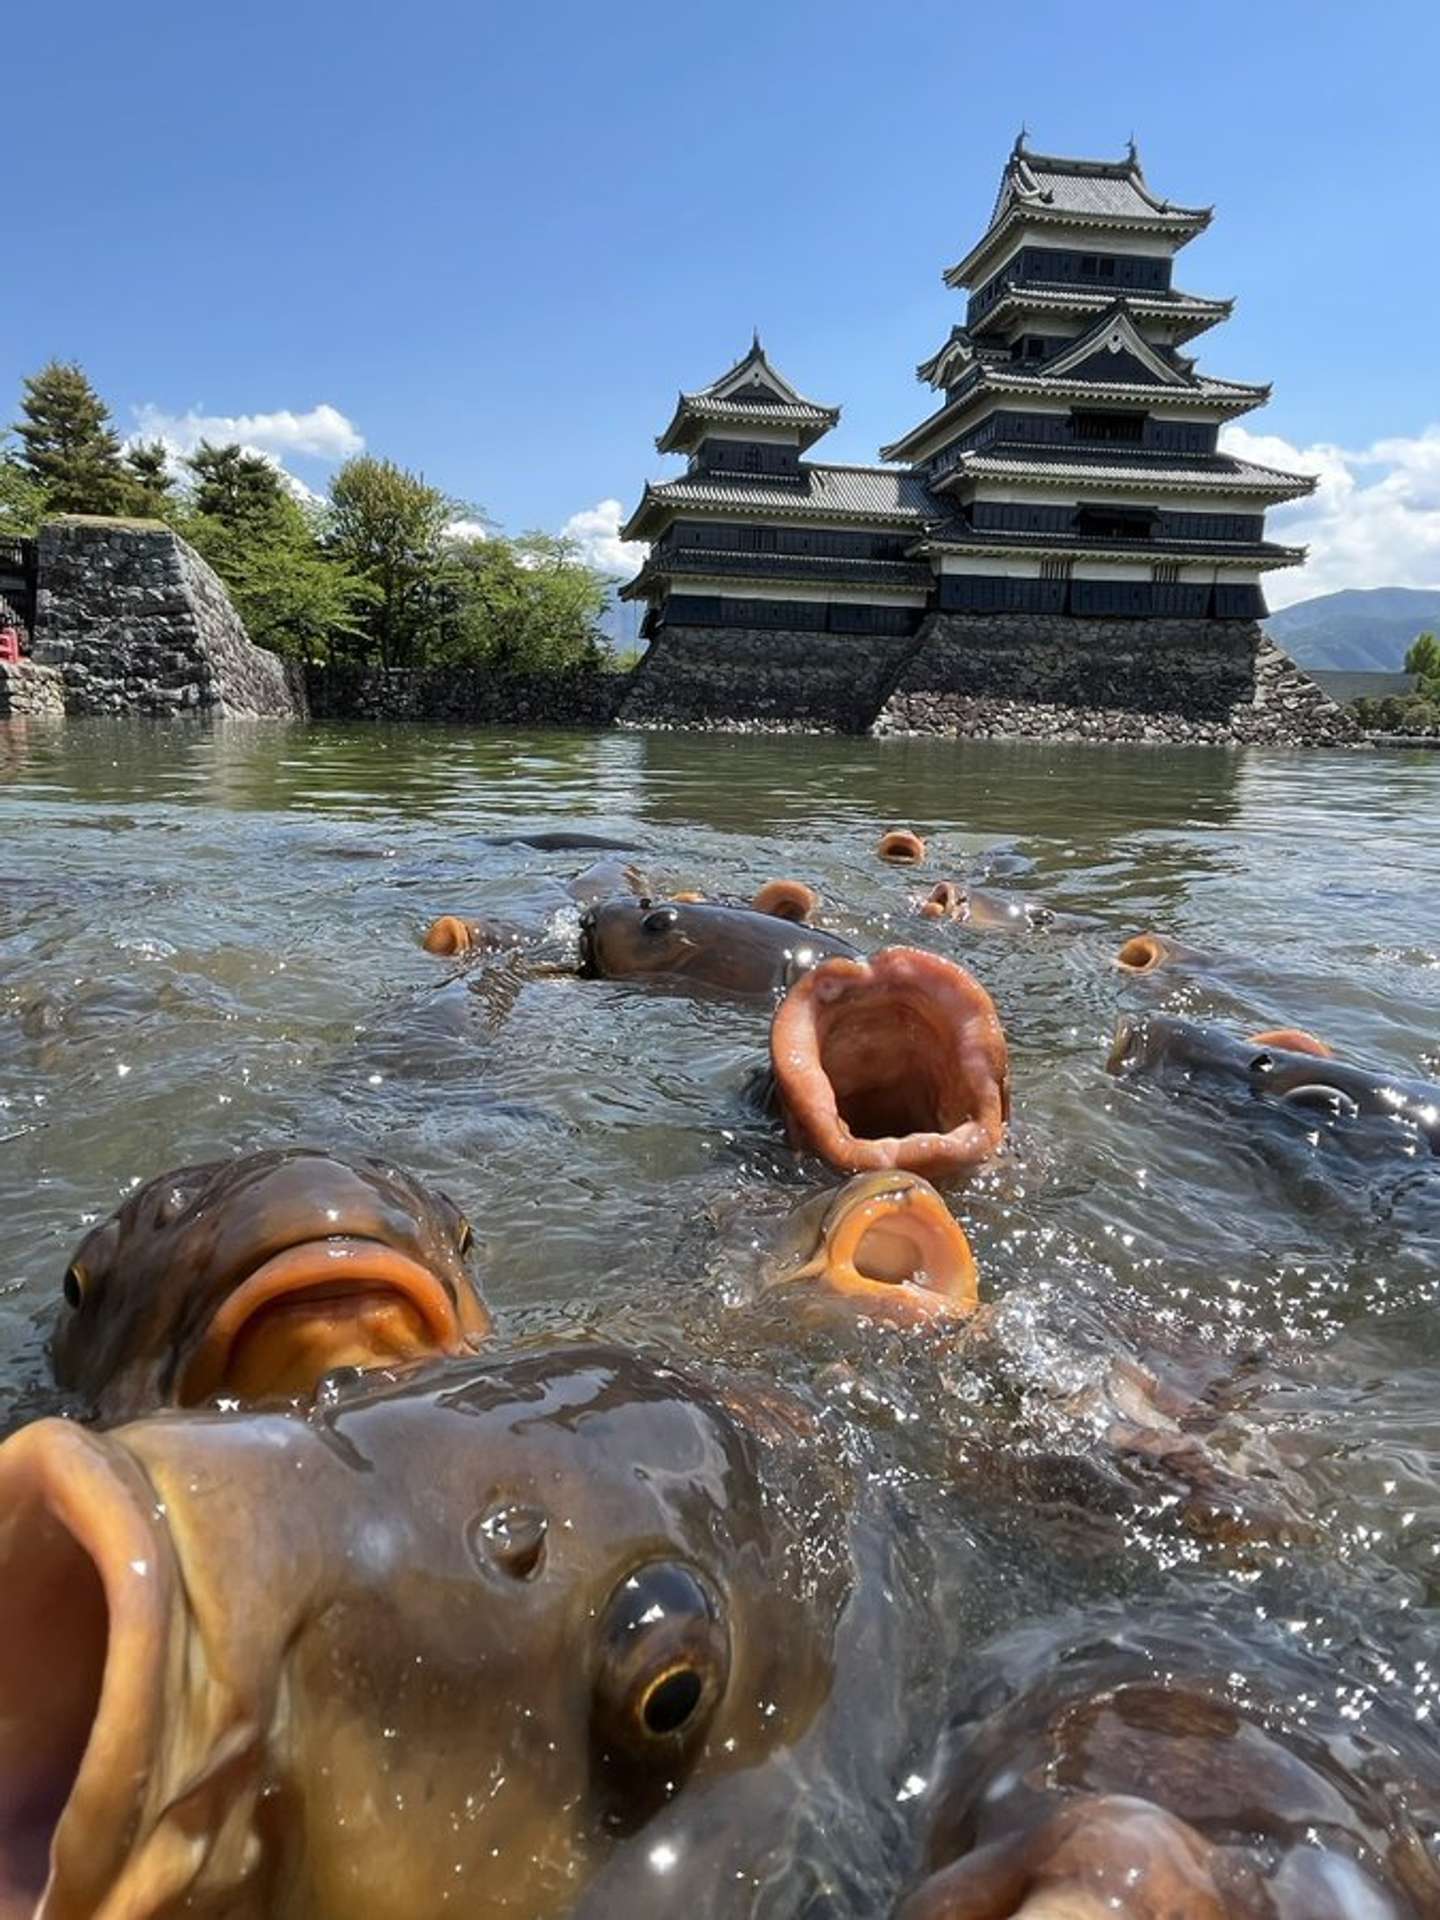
x,y
1143,953
947,1005
98,1496
339,1265
924,1220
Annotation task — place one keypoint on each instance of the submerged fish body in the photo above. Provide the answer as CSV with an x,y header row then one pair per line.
x,y
1166,1767
447,1645
1298,1079
701,947
564,840
253,1277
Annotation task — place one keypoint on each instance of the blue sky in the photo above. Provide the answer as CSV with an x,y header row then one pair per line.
x,y
492,241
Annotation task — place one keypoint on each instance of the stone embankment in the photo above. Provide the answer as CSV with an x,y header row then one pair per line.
x,y
134,621
38,693
758,680
993,676
1048,677
467,696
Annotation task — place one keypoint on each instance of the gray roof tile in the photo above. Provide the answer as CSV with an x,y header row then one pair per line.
x,y
1165,470
891,493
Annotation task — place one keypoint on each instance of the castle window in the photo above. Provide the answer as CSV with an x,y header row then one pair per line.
x,y
1115,523
1126,428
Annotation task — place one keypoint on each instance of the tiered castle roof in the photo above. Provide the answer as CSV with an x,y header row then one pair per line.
x,y
751,394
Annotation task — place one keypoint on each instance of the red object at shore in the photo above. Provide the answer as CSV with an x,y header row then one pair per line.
x,y
10,645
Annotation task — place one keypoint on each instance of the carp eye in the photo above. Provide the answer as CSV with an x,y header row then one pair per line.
x,y
660,920
664,1661
74,1286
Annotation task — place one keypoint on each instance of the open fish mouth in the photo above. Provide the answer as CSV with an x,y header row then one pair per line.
x,y
1143,953
88,1607
891,1241
898,1061
901,846
319,1305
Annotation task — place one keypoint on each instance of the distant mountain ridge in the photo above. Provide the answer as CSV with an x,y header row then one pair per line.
x,y
1359,630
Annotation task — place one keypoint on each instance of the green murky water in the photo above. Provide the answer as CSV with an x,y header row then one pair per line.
x,y
209,942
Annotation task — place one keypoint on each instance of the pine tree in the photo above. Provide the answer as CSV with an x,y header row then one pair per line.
x,y
148,464
231,484
68,443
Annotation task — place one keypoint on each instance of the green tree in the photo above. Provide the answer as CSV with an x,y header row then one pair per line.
x,y
22,498
1423,659
521,605
231,484
147,465
292,593
69,445
390,528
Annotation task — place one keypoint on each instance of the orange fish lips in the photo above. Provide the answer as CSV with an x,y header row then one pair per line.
x,y
899,1061
88,1606
787,900
901,846
1143,953
890,1243
1293,1040
326,1304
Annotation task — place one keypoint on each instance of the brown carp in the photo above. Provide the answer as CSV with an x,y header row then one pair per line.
x,y
452,933
254,1277
898,1061
442,1648
984,910
705,948
1301,1080
887,1243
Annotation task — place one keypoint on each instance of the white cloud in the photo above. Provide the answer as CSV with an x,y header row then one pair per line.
x,y
324,433
596,531
467,530
1373,520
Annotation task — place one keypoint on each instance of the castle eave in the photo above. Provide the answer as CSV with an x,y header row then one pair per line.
x,y
1132,472
1263,555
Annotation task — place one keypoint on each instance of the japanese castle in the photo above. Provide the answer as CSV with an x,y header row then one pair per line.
x,y
1069,465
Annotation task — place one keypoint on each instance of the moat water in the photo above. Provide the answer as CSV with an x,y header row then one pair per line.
x,y
209,942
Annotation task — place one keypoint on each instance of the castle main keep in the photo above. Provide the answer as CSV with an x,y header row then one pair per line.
x,y
1058,548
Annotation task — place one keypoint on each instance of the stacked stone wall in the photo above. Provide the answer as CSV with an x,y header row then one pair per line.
x,y
762,679
37,692
468,696
1054,677
136,622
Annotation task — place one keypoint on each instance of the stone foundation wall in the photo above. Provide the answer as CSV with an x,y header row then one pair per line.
x,y
1053,677
469,696
762,679
136,622
38,692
